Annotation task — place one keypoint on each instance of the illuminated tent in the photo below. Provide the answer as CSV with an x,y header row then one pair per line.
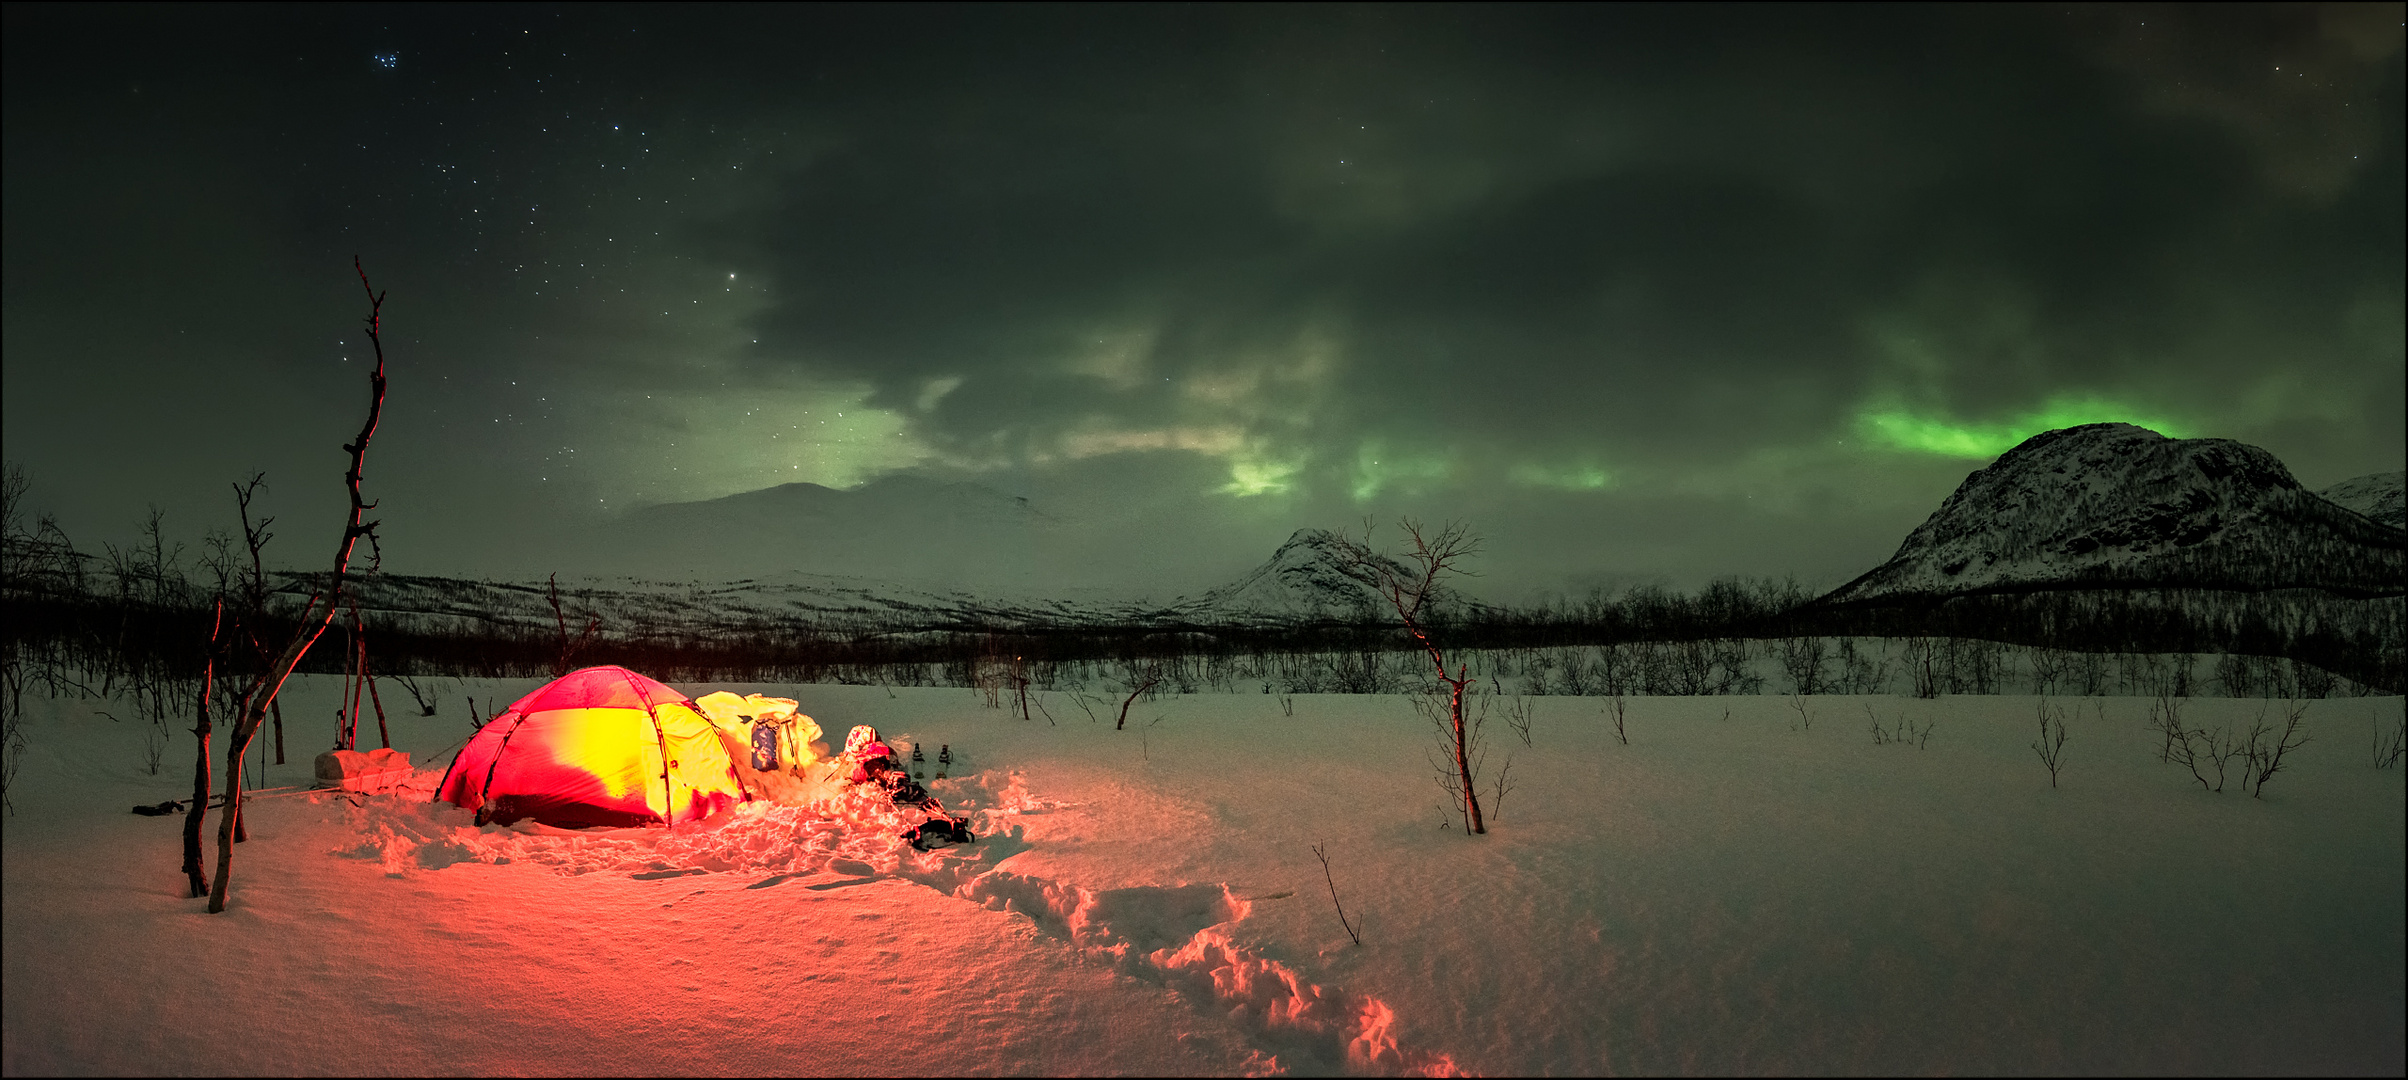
x,y
598,746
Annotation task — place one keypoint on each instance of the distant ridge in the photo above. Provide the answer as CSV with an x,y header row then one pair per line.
x,y
1308,580
898,528
2378,496
2119,506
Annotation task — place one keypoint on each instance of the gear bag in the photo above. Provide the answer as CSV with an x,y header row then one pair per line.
x,y
765,746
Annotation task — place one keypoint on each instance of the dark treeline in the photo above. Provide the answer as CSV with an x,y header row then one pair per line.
x,y
134,623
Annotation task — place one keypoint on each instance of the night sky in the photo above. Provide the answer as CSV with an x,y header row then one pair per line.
x,y
1640,292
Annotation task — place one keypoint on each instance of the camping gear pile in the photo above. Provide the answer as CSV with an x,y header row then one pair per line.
x,y
604,746
776,736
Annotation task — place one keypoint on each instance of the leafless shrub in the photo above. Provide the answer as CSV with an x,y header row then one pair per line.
x,y
2386,751
2165,718
1287,705
1618,707
2266,747
2051,744
1145,739
1802,660
419,694
1805,720
1901,732
2049,665
1517,716
1320,852
2202,751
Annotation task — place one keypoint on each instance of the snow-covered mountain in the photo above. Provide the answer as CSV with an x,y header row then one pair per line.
x,y
1311,578
2379,496
1308,579
638,607
898,527
2114,505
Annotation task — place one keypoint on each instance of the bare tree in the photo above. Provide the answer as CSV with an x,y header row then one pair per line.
x,y
253,613
313,619
2265,758
2386,752
1140,681
2051,744
1411,590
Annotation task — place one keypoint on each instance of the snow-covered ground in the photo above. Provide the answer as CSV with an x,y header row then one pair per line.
x,y
1730,892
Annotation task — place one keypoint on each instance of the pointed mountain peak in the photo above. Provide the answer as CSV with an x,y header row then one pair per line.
x,y
2117,505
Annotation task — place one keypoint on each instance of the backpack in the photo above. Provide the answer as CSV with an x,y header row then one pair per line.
x,y
764,747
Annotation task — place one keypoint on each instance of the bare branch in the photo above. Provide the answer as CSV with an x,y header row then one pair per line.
x,y
1323,855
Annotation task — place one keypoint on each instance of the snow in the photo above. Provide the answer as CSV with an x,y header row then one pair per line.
x,y
2381,497
1729,893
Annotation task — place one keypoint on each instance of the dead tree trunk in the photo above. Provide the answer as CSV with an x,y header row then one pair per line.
x,y
347,714
383,735
263,689
200,763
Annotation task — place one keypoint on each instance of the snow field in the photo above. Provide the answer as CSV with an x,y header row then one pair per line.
x,y
1729,893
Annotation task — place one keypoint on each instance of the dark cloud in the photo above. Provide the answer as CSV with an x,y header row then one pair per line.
x,y
1648,287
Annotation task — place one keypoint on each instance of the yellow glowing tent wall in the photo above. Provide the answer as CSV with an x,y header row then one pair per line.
x,y
599,746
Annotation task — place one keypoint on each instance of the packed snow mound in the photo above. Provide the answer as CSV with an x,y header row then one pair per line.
x,y
1311,578
2379,496
2114,505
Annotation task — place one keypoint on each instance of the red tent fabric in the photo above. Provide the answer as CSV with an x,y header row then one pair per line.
x,y
599,746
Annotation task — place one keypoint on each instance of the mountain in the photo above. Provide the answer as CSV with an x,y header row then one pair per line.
x,y
2119,506
1311,578
638,608
898,527
2379,496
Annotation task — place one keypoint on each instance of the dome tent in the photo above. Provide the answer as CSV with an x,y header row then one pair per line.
x,y
597,746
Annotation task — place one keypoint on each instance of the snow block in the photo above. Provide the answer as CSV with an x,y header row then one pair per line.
x,y
376,770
